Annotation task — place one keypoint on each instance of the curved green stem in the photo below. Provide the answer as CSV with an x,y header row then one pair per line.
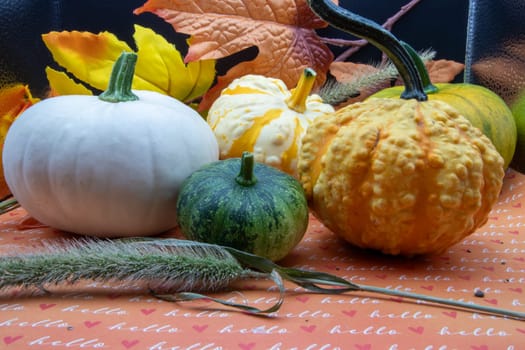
x,y
428,87
246,175
119,87
376,35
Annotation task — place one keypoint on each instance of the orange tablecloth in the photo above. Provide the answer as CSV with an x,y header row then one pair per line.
x,y
104,317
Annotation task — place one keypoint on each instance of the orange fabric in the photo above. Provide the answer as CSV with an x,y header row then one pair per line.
x,y
103,317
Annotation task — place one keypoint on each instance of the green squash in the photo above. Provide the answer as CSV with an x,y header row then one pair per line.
x,y
482,107
243,204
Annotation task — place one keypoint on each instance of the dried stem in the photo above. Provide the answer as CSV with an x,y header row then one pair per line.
x,y
186,267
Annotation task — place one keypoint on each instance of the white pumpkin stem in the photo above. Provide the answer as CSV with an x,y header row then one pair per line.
x,y
297,100
119,86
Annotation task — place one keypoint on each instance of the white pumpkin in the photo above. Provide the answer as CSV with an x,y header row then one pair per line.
x,y
262,116
107,169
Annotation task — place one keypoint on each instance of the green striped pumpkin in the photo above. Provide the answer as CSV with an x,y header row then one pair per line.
x,y
485,110
243,204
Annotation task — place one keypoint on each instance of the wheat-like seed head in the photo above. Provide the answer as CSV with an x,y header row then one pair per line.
x,y
171,265
335,93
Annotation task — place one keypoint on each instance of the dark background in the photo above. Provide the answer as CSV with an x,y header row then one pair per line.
x,y
437,24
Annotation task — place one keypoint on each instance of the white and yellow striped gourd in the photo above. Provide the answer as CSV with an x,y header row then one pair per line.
x,y
262,116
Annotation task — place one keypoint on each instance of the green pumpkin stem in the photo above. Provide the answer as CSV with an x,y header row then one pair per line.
x,y
246,175
119,86
297,100
378,36
422,69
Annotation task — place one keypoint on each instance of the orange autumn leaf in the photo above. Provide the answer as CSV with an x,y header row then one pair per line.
x,y
282,30
13,101
160,66
443,71
349,71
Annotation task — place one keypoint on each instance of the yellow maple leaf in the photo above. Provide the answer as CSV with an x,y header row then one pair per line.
x,y
61,84
160,66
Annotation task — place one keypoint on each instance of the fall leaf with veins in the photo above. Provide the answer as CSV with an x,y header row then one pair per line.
x,y
282,30
160,66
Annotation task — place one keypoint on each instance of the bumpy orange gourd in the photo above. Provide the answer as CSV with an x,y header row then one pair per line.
x,y
403,176
400,176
